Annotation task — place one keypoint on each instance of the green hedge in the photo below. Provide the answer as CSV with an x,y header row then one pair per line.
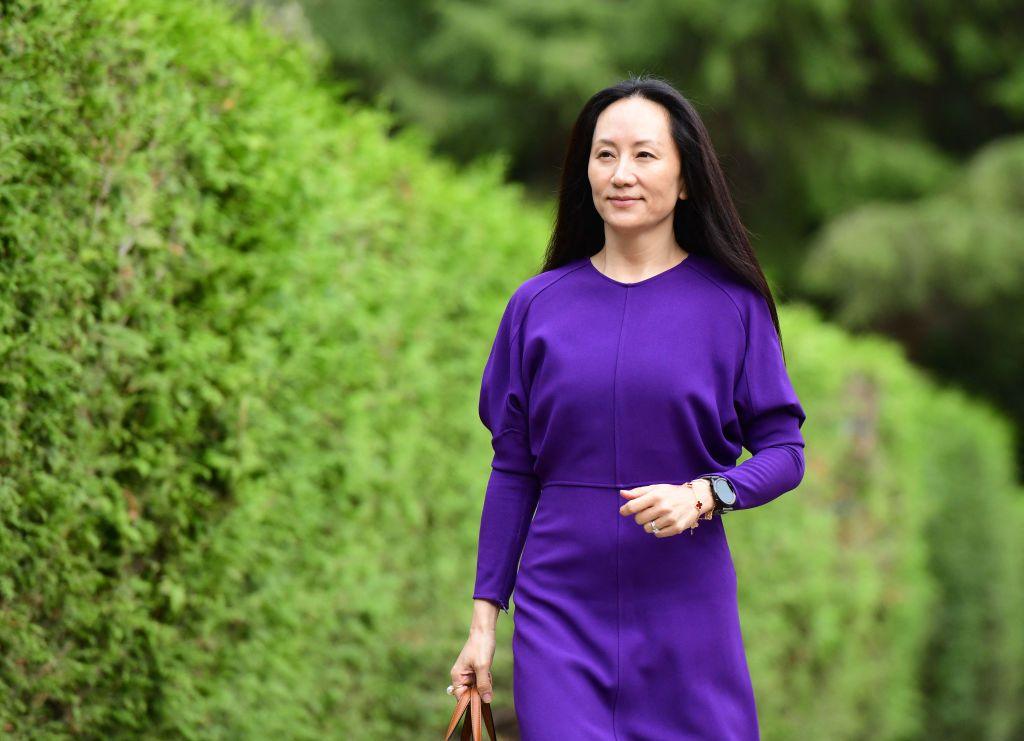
x,y
882,598
944,274
238,384
241,333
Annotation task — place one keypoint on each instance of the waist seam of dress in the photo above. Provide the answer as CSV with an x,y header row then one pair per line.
x,y
595,485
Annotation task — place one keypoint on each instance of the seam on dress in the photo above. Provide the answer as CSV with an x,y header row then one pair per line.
x,y
513,567
774,337
529,303
598,485
744,376
728,295
743,323
519,355
618,520
615,383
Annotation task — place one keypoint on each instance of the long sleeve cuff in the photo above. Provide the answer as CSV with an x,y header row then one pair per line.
x,y
509,504
772,471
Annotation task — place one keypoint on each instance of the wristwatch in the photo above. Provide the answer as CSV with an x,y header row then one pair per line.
x,y
722,491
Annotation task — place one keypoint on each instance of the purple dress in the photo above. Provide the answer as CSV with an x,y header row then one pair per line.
x,y
593,385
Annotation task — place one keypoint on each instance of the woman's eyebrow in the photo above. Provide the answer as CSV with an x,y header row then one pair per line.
x,y
638,141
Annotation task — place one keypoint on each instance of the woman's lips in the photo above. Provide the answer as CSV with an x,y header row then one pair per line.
x,y
624,202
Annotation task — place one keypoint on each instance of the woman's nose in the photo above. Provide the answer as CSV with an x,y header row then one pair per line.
x,y
622,174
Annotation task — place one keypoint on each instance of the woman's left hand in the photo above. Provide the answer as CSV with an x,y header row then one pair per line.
x,y
671,507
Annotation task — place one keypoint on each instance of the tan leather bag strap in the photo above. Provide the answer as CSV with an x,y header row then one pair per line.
x,y
478,709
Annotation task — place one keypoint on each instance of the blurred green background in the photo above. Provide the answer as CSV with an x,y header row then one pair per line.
x,y
251,260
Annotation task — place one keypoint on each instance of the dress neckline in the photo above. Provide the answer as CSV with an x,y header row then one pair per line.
x,y
675,268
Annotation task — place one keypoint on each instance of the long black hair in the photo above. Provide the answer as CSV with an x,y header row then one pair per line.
x,y
706,222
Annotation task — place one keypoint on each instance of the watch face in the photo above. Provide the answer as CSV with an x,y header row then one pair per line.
x,y
724,491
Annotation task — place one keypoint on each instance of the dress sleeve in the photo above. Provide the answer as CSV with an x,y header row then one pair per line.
x,y
770,417
513,489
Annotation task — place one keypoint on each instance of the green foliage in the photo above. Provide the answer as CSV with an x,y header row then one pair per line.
x,y
882,598
241,333
815,105
233,355
943,275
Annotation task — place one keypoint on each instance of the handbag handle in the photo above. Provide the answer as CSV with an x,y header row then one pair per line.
x,y
471,730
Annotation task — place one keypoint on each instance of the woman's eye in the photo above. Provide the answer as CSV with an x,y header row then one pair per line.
x,y
604,152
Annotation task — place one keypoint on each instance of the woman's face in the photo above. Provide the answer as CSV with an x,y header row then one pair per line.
x,y
635,172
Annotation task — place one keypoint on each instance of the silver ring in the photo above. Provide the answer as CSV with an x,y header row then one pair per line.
x,y
451,689
654,528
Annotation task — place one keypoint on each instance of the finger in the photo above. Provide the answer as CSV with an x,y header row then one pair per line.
x,y
658,517
668,532
460,683
637,501
483,684
655,522
640,502
665,524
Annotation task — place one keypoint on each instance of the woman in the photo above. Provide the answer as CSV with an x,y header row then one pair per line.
x,y
622,384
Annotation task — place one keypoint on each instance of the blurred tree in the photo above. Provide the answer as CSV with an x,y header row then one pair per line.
x,y
815,105
943,275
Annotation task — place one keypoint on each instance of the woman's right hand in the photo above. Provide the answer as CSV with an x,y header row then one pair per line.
x,y
473,667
